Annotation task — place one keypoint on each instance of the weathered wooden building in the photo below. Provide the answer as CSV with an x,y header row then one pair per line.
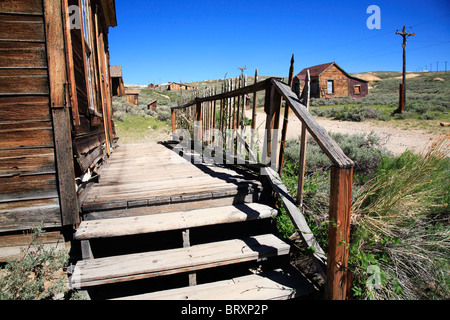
x,y
132,96
55,109
331,81
152,105
118,88
172,86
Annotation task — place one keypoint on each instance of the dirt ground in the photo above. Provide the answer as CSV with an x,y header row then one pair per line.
x,y
395,140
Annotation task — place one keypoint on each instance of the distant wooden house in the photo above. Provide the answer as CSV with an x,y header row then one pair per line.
x,y
152,105
172,86
154,86
118,88
132,96
55,111
331,81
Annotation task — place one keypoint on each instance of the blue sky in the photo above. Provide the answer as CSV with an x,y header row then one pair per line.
x,y
185,41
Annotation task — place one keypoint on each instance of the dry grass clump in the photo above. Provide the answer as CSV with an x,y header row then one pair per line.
x,y
400,224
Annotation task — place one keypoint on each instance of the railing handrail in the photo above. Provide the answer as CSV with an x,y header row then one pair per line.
x,y
341,171
320,135
259,86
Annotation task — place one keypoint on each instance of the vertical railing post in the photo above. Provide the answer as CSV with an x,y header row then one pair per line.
x,y
339,232
273,109
285,119
198,120
174,125
253,126
303,142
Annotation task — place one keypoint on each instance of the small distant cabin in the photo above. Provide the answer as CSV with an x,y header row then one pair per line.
x,y
153,86
118,88
172,86
152,105
331,81
132,96
56,117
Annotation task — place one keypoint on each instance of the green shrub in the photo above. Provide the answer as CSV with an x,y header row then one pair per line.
x,y
37,275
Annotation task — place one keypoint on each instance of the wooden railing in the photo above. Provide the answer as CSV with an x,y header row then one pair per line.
x,y
225,112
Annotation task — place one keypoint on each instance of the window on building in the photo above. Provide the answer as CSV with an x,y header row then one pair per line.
x,y
88,50
330,86
357,89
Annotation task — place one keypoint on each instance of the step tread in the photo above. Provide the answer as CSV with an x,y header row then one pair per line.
x,y
157,263
172,221
280,284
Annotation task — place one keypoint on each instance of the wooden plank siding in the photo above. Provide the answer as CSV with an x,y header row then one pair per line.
x,y
340,83
28,179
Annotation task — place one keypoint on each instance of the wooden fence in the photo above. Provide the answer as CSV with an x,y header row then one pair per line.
x,y
225,112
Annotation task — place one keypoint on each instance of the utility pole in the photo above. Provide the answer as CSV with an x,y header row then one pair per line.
x,y
437,65
402,93
445,66
242,70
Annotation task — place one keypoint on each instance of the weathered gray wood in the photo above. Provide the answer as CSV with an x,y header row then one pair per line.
x,y
296,216
229,94
328,145
186,244
86,251
280,284
151,264
177,220
60,112
11,246
303,143
285,119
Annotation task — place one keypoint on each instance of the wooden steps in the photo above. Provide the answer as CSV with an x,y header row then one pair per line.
x,y
172,220
280,284
158,218
165,262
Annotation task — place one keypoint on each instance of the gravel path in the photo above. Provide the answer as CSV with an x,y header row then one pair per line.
x,y
395,140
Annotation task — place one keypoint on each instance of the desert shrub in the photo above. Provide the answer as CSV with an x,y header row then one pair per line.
x,y
37,275
364,149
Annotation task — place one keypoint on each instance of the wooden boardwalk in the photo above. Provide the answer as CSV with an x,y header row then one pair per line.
x,y
150,189
154,175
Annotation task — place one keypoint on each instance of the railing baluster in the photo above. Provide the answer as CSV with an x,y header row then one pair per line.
x,y
285,119
303,144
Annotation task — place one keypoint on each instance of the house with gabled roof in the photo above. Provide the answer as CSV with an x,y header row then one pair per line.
x,y
329,80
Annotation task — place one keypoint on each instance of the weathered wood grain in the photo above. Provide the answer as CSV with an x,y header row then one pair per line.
x,y
22,55
28,187
24,81
151,264
57,76
21,28
28,214
339,232
27,161
26,138
11,246
21,6
24,108
172,221
280,284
